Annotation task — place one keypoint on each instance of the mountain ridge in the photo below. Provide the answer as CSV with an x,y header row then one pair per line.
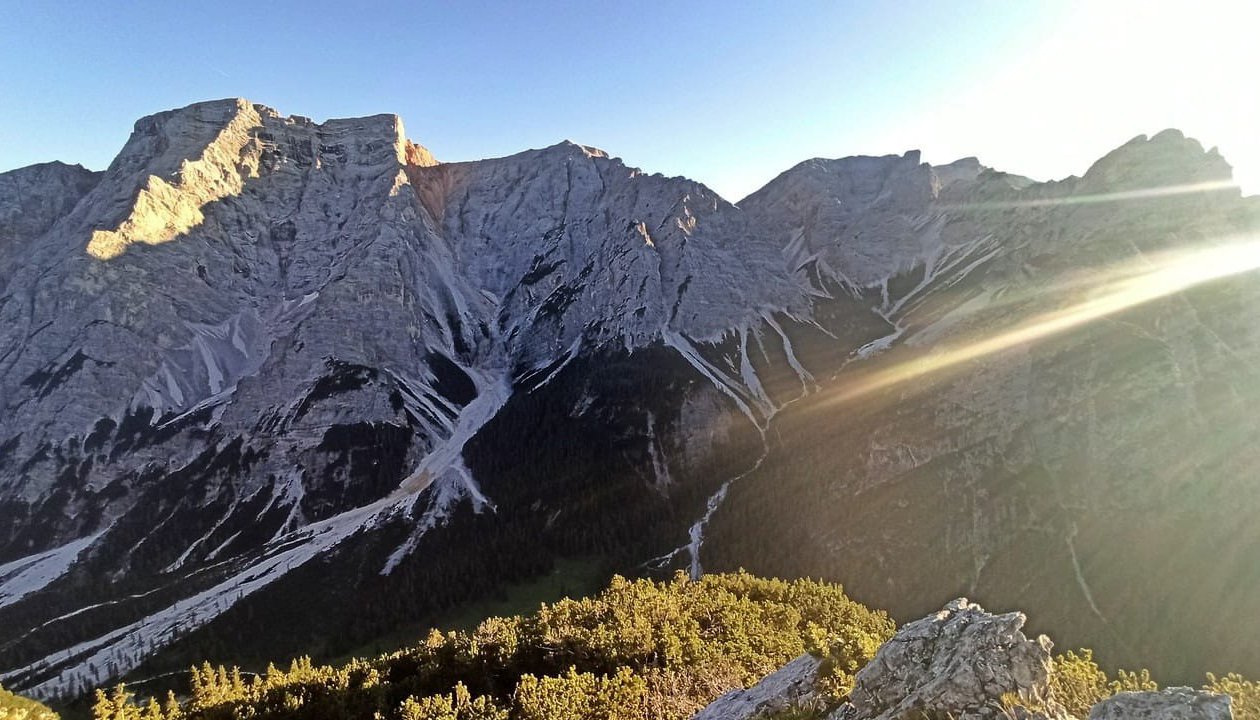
x,y
259,345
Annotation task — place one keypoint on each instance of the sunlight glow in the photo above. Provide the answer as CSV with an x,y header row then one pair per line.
x,y
1099,74
1142,194
1119,289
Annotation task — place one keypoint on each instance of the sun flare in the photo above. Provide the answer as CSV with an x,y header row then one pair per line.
x,y
1115,290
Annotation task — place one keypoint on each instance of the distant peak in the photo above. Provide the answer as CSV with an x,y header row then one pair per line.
x,y
568,146
1170,135
188,130
1166,158
971,161
966,169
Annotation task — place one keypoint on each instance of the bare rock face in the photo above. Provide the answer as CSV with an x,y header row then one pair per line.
x,y
31,200
1178,703
957,663
791,686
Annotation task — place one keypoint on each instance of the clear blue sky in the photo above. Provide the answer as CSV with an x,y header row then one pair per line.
x,y
729,93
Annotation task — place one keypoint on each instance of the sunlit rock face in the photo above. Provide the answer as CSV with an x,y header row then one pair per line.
x,y
259,352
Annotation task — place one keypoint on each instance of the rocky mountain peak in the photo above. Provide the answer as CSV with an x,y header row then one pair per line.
x,y
34,197
851,222
1166,159
963,169
177,162
569,146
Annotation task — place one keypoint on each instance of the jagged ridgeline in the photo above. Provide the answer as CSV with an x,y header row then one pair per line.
x,y
274,387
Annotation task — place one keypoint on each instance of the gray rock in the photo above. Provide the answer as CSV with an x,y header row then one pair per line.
x,y
1177,703
791,686
31,200
956,663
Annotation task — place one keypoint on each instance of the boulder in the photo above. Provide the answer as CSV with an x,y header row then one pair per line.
x,y
956,663
792,685
1177,703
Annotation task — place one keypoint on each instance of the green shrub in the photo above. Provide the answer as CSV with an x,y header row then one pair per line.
x,y
1245,694
459,705
639,649
1076,682
580,696
16,707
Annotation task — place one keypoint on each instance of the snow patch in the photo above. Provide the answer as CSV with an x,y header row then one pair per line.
x,y
879,345
443,469
208,366
749,375
807,378
942,260
123,649
19,578
714,375
571,353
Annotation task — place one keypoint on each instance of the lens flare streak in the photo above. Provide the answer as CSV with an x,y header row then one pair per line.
x,y
1142,194
1155,278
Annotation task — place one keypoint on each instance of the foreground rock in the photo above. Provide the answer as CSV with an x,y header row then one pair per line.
x,y
791,686
1179,703
957,663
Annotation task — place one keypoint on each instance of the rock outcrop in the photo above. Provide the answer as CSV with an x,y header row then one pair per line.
x,y
957,663
1179,703
794,685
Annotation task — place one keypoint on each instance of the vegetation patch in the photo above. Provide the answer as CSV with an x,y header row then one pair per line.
x,y
639,649
16,707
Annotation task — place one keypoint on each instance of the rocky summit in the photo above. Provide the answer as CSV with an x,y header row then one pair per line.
x,y
291,383
958,662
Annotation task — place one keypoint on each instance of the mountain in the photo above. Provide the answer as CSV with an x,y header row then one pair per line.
x,y
273,386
